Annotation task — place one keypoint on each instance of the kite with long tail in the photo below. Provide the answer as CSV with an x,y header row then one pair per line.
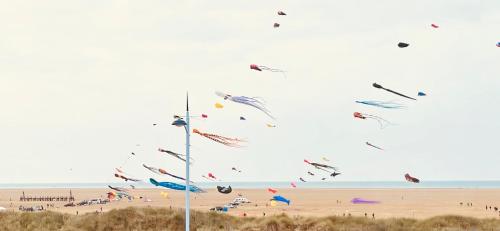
x,y
320,166
126,178
375,85
176,155
382,104
373,146
118,189
382,122
250,101
264,68
231,142
160,171
411,179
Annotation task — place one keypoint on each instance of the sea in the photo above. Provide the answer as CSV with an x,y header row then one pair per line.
x,y
263,184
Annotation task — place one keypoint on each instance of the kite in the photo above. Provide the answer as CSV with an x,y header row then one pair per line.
x,y
325,159
301,179
434,25
212,176
242,118
293,185
382,122
155,124
375,85
131,186
206,177
281,199
421,94
250,101
388,105
323,178
273,203
126,178
176,155
271,190
119,170
498,44
310,173
411,179
334,174
204,116
264,68
281,13
234,169
120,195
371,145
231,142
160,171
118,189
218,105
276,25
363,201
270,126
175,186
323,167
403,45
224,190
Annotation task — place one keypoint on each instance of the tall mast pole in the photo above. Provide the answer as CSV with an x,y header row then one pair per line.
x,y
187,162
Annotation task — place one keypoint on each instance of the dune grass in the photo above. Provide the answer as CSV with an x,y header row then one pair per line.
x,y
173,219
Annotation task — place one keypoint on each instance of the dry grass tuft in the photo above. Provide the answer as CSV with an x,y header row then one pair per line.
x,y
173,219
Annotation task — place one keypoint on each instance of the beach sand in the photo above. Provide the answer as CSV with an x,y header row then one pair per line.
x,y
410,203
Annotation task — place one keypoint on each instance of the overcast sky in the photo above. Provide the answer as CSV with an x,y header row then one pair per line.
x,y
82,82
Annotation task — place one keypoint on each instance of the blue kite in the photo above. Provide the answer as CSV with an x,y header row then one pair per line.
x,y
175,186
282,199
421,94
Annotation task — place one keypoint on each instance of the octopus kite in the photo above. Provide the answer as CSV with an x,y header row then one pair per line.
x,y
264,68
231,142
250,101
382,122
160,171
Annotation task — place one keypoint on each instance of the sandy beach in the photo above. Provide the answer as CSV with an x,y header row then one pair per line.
x,y
410,203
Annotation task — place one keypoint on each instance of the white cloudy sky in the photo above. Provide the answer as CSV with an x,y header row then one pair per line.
x,y
81,82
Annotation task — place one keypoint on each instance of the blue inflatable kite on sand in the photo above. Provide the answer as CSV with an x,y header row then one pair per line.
x,y
282,199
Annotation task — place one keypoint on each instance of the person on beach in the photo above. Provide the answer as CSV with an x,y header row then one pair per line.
x,y
366,215
373,215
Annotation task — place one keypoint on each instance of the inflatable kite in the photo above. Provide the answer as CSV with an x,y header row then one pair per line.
x,y
281,13
434,25
310,173
403,45
175,186
293,184
382,122
411,179
250,101
212,176
160,171
231,142
271,190
218,105
363,201
281,199
375,85
276,25
388,105
301,179
498,44
235,169
421,94
373,146
242,118
224,190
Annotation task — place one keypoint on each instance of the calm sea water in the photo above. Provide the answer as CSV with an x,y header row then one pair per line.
x,y
258,185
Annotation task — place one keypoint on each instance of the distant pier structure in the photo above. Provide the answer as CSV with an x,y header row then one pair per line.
x,y
69,198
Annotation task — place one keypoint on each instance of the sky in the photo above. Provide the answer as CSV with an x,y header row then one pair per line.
x,y
82,82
